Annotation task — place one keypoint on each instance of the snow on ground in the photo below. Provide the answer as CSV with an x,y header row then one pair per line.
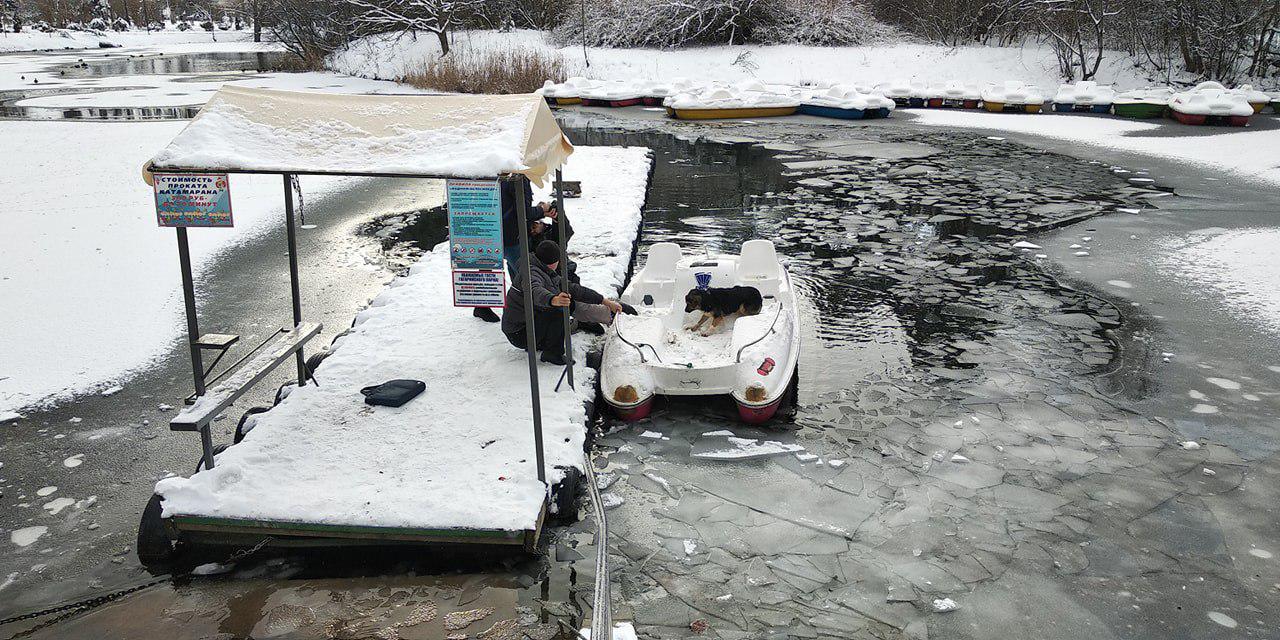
x,y
1240,265
81,231
90,282
389,57
461,454
64,39
175,90
1244,151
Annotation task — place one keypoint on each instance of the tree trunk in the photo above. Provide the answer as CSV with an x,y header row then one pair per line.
x,y
444,42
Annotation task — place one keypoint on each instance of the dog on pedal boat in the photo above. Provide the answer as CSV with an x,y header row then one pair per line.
x,y
716,304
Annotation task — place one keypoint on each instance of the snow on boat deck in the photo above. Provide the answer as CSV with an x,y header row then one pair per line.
x,y
461,455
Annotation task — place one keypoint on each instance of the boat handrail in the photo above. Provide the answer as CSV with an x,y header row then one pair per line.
x,y
766,334
617,329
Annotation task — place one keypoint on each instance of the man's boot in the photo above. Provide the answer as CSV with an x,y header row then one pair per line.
x,y
553,357
486,314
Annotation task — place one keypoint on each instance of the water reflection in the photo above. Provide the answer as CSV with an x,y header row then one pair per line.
x,y
207,62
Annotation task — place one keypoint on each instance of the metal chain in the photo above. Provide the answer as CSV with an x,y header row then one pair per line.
x,y
73,608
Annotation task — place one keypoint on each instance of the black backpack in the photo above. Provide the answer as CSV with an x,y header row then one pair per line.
x,y
393,393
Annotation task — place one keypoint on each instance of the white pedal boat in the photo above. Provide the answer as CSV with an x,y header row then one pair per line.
x,y
753,358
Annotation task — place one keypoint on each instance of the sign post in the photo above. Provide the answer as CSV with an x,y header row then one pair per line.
x,y
193,200
475,243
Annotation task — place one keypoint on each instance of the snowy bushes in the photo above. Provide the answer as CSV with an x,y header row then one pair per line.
x,y
510,71
825,23
675,23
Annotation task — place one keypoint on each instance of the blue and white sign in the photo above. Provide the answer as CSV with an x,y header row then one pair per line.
x,y
475,224
193,199
475,243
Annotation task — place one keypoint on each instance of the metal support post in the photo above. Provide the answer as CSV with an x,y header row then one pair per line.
x,y
530,336
564,276
193,336
293,271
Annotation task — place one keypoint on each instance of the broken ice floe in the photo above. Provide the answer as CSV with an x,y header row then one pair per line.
x,y
24,537
943,605
1223,619
735,448
212,569
54,507
1224,383
73,461
45,491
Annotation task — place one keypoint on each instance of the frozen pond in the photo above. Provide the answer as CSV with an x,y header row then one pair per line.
x,y
982,423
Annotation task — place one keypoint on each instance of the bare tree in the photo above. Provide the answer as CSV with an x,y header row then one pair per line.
x,y
432,16
1078,31
309,30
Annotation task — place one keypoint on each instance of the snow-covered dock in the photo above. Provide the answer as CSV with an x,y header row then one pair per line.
x,y
456,464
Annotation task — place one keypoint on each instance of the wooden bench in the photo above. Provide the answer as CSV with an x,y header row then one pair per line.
x,y
199,415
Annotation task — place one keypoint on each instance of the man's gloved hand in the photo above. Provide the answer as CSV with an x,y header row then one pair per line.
x,y
628,309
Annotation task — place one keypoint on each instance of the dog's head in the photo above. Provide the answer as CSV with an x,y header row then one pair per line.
x,y
693,300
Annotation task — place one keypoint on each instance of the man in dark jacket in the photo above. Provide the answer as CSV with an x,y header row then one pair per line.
x,y
511,230
550,296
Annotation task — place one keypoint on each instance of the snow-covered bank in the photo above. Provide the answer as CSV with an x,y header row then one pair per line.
x,y
86,270
459,455
1244,151
64,39
1240,265
389,57
90,284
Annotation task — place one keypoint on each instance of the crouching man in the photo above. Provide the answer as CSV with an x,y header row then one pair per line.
x,y
550,296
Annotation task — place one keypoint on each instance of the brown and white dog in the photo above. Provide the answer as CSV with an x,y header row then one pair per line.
x,y
716,304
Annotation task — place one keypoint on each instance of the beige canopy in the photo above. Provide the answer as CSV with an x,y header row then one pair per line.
x,y
443,136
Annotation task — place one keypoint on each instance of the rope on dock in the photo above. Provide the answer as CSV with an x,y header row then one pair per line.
x,y
601,610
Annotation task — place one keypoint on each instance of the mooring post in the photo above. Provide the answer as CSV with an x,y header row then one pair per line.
x,y
564,274
293,271
193,336
530,336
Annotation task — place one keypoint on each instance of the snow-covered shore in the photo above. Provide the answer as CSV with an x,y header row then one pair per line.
x,y
29,40
459,455
1247,152
80,225
390,57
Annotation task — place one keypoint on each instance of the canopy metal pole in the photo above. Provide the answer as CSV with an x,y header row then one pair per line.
x,y
293,271
530,336
564,276
193,336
